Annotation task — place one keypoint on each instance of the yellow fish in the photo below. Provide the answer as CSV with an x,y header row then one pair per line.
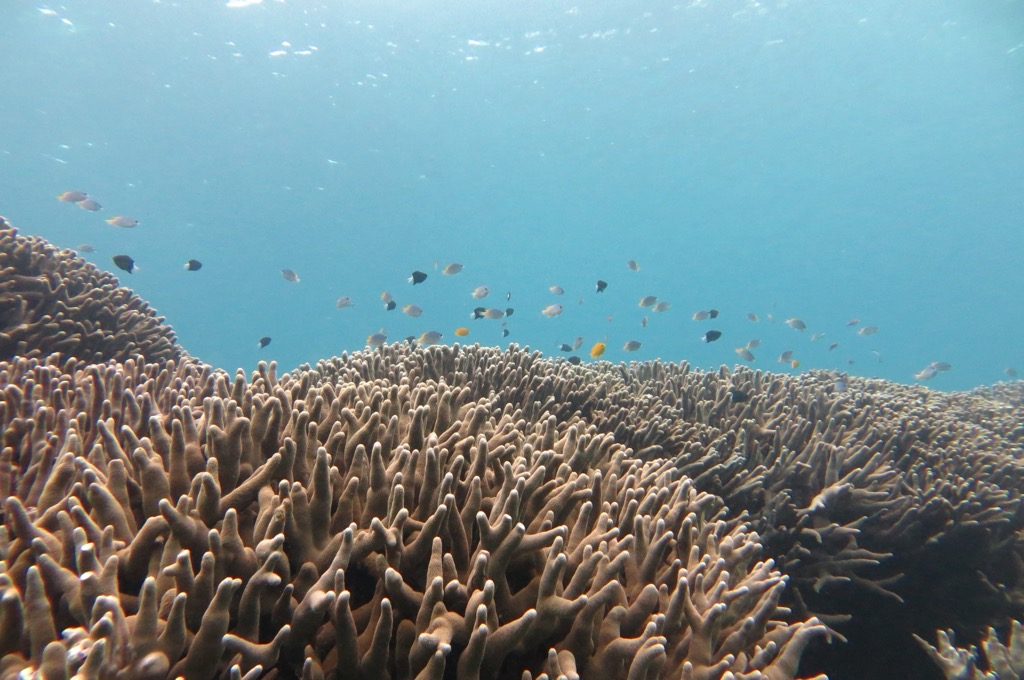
x,y
462,331
598,350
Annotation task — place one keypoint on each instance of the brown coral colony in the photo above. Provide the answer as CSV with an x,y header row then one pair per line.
x,y
465,512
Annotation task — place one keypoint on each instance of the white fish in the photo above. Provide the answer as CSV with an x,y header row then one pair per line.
x,y
429,338
744,354
343,302
868,330
556,290
452,269
123,222
701,315
289,275
494,313
480,292
927,373
412,310
89,204
817,336
577,344
72,196
648,301
663,306
551,311
796,324
754,344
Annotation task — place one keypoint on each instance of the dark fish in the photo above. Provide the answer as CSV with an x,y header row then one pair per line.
x,y
509,311
713,313
411,339
601,285
478,312
390,306
711,336
508,296
417,277
738,396
193,265
124,262
564,347
504,332
290,276
264,341
1011,372
575,360
833,346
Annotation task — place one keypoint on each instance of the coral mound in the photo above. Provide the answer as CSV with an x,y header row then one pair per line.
x,y
51,300
164,521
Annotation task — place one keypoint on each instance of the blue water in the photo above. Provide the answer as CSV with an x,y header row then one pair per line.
x,y
825,161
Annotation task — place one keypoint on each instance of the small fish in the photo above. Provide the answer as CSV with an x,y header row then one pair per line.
x,y
633,266
263,342
504,332
565,347
551,311
795,363
123,222
377,340
598,350
754,344
462,331
744,354
853,322
290,276
648,301
701,315
713,313
478,312
833,346
417,277
841,382
386,297
577,344
193,265
90,205
662,306
601,285
508,296
343,302
390,305
817,336
941,366
575,360
786,356
556,290
126,263
796,324
429,338
1010,372
711,336
411,339
86,248
412,310
452,269
631,346
480,292
72,196
494,314
509,311
644,321
926,374
752,317
868,330
738,396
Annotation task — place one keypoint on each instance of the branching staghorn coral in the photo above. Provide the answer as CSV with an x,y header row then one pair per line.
x,y
997,661
880,498
51,300
163,520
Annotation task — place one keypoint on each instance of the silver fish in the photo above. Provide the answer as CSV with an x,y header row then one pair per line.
x,y
744,354
796,324
663,306
452,269
480,292
556,290
412,310
868,330
429,338
551,311
343,302
631,346
648,301
290,276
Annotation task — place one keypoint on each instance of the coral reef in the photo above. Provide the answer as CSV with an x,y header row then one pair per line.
x,y
166,521
51,300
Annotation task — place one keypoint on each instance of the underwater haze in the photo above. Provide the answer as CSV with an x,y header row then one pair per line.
x,y
820,161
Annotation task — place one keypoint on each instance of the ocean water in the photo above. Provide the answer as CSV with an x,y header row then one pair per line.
x,y
819,160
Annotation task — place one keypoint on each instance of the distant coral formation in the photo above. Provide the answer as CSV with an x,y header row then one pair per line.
x,y
466,512
51,300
